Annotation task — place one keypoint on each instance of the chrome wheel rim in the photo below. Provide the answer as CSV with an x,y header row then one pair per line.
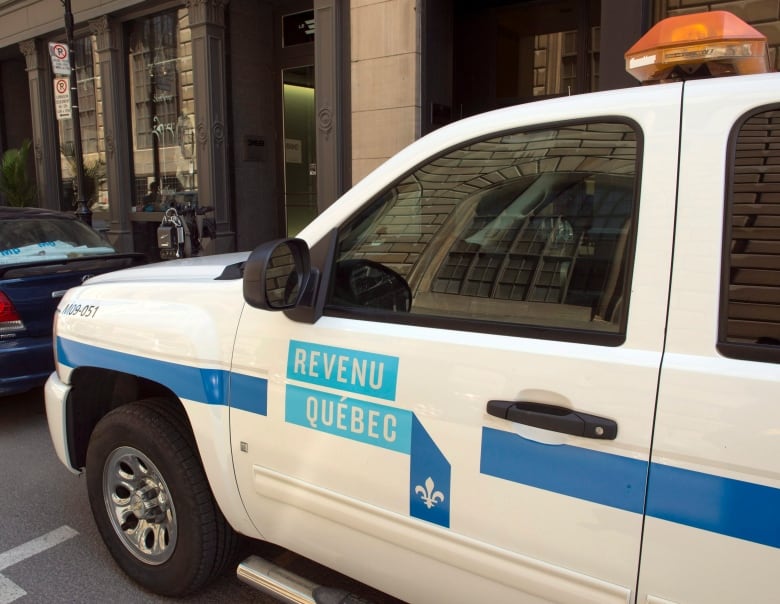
x,y
139,505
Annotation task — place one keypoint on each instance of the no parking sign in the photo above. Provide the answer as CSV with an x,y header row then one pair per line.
x,y
60,61
62,98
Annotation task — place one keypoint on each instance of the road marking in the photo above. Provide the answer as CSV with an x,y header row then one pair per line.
x,y
10,591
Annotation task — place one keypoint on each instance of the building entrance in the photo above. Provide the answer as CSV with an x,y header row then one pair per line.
x,y
298,172
300,148
509,53
479,56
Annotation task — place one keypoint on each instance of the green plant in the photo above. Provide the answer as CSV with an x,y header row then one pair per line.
x,y
94,174
15,183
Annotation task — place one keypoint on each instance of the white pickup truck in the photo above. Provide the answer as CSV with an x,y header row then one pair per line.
x,y
531,358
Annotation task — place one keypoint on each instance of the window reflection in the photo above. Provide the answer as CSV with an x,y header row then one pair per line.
x,y
532,229
162,111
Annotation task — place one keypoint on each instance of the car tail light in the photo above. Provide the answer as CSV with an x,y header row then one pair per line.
x,y
10,321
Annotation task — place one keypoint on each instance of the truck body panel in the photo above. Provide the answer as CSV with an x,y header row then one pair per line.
x,y
365,435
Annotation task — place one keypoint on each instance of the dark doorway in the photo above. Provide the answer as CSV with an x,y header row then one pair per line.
x,y
514,53
503,53
15,117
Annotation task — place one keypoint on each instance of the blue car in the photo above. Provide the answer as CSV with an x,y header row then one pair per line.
x,y
43,253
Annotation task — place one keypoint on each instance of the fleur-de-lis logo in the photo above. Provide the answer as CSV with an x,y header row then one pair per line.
x,y
429,496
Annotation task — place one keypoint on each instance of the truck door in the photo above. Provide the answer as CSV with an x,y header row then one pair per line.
x,y
470,417
713,532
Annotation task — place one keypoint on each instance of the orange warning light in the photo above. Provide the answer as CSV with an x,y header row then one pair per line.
x,y
702,44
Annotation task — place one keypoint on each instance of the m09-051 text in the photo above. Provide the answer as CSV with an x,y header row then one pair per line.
x,y
83,310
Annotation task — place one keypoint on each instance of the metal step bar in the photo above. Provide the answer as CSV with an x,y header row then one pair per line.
x,y
288,587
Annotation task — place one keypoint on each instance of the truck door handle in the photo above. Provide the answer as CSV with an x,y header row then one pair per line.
x,y
555,418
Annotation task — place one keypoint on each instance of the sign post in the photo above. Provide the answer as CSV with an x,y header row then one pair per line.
x,y
82,211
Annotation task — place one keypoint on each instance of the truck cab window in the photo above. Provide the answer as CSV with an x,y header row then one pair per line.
x,y
526,229
750,295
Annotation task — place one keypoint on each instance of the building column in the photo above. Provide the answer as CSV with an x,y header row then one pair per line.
x,y
622,23
207,25
386,82
44,124
331,74
109,41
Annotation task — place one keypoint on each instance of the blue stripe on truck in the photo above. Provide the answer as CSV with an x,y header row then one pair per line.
x,y
717,504
612,480
726,506
192,383
736,508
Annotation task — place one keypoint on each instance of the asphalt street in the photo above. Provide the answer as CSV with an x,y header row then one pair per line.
x,y
50,550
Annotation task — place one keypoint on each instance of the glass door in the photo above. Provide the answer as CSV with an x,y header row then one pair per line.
x,y
300,148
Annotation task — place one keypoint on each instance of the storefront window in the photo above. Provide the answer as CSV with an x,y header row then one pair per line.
x,y
162,111
89,101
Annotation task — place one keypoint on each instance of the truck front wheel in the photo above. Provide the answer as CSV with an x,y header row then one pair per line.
x,y
152,502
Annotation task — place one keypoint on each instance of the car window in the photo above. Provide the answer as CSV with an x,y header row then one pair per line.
x,y
25,240
750,298
524,229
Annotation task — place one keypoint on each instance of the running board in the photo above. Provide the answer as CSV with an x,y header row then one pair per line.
x,y
288,587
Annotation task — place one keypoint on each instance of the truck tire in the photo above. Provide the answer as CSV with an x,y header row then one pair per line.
x,y
152,502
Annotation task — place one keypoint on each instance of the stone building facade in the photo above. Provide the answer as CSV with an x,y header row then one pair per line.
x,y
268,110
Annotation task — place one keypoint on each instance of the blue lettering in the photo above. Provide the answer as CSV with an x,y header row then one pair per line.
x,y
342,370
330,363
313,358
351,418
355,371
375,377
373,423
311,411
341,415
390,425
356,424
300,362
359,372
327,412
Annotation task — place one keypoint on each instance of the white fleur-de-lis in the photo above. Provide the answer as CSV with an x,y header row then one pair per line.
x,y
429,496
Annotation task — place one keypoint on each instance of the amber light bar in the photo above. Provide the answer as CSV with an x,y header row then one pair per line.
x,y
701,44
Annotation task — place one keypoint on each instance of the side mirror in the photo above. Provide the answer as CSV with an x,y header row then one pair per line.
x,y
278,275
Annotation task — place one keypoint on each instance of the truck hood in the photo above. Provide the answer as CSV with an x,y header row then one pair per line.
x,y
205,268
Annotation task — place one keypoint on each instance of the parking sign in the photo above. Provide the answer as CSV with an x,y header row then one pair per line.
x,y
62,98
60,61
